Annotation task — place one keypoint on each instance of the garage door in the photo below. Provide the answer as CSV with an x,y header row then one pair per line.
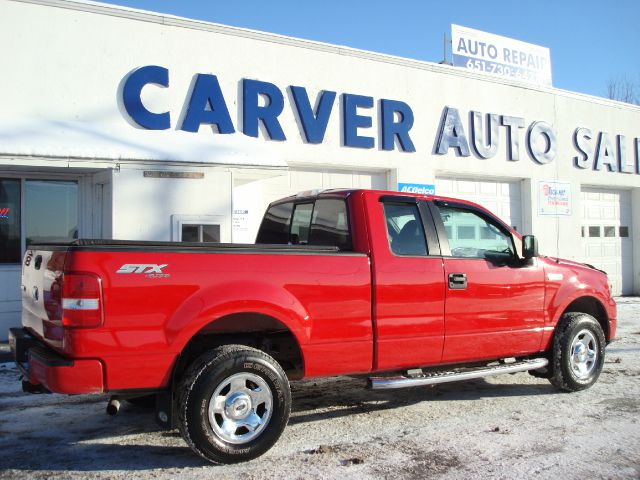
x,y
606,235
251,199
503,198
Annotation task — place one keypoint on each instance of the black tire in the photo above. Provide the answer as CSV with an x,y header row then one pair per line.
x,y
578,352
246,382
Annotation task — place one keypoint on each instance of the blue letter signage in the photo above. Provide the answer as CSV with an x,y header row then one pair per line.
x,y
352,121
252,113
132,90
314,124
262,104
207,106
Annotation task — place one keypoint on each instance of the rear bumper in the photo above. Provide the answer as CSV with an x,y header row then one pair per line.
x,y
44,367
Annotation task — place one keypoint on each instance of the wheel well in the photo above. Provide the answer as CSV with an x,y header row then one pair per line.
x,y
592,307
252,329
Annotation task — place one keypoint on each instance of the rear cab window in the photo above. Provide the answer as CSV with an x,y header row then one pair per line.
x,y
323,222
275,224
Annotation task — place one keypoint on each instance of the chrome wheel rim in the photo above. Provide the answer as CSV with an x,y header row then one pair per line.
x,y
240,408
584,354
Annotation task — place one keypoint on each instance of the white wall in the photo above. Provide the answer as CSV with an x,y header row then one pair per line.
x,y
142,207
65,103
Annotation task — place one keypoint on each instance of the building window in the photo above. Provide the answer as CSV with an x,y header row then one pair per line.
x,y
199,233
609,231
466,232
199,229
594,231
51,211
10,221
50,214
624,232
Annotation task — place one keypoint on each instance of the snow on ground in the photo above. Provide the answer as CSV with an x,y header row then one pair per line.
x,y
510,426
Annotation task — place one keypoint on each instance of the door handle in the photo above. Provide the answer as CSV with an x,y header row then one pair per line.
x,y
457,281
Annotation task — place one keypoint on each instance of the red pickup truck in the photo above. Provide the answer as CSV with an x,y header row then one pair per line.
x,y
405,289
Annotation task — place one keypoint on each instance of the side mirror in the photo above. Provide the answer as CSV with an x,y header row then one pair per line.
x,y
529,247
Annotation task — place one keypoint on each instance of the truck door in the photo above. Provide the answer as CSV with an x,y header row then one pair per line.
x,y
408,283
494,301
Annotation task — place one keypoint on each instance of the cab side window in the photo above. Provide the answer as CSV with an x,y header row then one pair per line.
x,y
404,229
472,235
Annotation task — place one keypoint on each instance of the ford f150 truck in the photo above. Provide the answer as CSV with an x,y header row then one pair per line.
x,y
405,289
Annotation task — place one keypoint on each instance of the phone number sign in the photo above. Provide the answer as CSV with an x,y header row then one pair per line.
x,y
501,56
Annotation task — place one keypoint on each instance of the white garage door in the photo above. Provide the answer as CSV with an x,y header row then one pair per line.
x,y
301,180
606,235
250,199
501,197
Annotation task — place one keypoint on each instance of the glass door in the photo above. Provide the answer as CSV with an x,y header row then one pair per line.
x,y
10,247
51,211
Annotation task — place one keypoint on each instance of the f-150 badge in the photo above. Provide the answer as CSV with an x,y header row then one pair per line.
x,y
147,269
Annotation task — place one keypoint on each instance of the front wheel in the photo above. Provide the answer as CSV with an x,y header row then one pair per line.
x,y
233,404
578,352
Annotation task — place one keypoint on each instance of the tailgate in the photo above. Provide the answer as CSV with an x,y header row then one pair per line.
x,y
42,294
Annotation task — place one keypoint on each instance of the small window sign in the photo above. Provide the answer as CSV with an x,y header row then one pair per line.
x,y
4,212
554,198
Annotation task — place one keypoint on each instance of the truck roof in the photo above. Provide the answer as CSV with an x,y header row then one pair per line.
x,y
346,192
309,195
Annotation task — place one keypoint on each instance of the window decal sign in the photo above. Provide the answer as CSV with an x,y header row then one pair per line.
x,y
554,198
4,212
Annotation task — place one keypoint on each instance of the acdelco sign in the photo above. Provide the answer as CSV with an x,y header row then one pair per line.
x,y
206,105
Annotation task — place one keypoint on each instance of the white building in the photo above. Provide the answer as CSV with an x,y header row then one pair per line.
x,y
118,123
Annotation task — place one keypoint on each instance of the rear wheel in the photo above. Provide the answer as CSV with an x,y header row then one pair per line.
x,y
578,352
233,404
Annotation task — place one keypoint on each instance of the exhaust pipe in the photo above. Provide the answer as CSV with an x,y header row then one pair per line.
x,y
113,407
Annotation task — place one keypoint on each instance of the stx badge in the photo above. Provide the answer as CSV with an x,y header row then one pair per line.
x,y
149,270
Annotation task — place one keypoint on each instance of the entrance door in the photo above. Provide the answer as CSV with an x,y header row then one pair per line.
x,y
30,211
10,254
51,211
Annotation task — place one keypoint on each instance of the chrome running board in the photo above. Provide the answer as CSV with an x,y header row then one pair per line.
x,y
432,378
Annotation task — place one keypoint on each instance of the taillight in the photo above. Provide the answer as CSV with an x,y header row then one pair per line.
x,y
81,300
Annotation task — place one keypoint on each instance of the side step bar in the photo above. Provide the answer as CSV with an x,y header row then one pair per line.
x,y
431,378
